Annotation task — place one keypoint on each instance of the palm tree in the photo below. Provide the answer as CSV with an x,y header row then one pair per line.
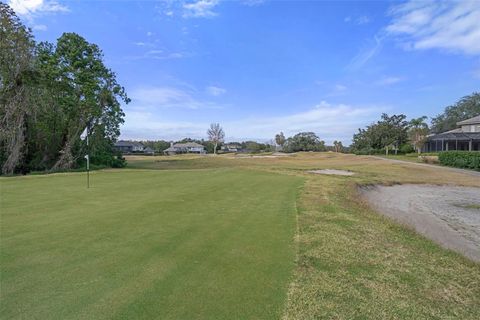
x,y
417,132
337,145
280,139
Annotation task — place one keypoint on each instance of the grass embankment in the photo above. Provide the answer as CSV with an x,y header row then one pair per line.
x,y
212,244
142,248
355,264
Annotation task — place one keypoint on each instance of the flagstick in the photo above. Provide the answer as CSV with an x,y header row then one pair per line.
x,y
88,163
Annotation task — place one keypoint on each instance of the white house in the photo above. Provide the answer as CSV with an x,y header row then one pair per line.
x,y
188,147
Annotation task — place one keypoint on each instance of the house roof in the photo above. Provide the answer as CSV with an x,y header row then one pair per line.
x,y
474,120
123,143
188,145
456,135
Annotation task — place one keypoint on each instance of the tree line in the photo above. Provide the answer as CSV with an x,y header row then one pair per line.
x,y
399,134
303,141
158,146
49,94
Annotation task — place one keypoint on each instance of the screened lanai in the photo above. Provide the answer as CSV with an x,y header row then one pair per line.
x,y
450,141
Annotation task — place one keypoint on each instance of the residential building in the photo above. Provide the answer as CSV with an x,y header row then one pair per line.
x,y
129,146
188,147
231,147
465,137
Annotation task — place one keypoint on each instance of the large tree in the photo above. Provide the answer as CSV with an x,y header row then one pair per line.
x,y
17,96
304,141
215,135
466,107
49,93
389,132
87,93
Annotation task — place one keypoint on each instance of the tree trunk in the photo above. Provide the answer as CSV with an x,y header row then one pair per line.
x,y
66,159
215,149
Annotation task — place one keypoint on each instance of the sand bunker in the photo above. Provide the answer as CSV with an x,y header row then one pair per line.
x,y
332,172
448,215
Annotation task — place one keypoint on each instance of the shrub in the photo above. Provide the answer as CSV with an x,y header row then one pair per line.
x,y
406,148
460,159
118,162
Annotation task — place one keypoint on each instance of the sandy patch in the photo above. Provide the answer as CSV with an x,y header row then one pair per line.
x,y
332,172
273,155
448,215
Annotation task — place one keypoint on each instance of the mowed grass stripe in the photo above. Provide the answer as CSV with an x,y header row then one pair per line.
x,y
147,244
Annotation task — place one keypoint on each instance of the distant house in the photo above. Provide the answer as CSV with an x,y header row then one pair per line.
x,y
129,147
148,150
465,137
188,147
231,147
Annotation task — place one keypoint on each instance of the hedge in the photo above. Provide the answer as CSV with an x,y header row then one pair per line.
x,y
460,159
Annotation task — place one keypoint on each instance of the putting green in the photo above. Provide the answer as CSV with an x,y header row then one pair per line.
x,y
192,244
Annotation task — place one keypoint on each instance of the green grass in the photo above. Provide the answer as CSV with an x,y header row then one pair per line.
x,y
192,237
205,244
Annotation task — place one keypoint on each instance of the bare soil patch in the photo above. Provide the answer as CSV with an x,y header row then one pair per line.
x,y
332,172
448,215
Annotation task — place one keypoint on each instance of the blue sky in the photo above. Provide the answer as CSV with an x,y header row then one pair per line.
x,y
260,67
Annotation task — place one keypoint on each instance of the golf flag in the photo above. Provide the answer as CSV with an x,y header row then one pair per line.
x,y
84,134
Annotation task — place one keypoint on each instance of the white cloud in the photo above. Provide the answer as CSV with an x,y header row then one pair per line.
x,y
200,9
153,98
419,25
39,27
196,8
215,91
329,121
144,125
386,81
366,53
336,90
452,26
158,54
29,8
253,3
360,20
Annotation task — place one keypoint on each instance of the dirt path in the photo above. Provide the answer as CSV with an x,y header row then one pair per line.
x,y
448,215
469,172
